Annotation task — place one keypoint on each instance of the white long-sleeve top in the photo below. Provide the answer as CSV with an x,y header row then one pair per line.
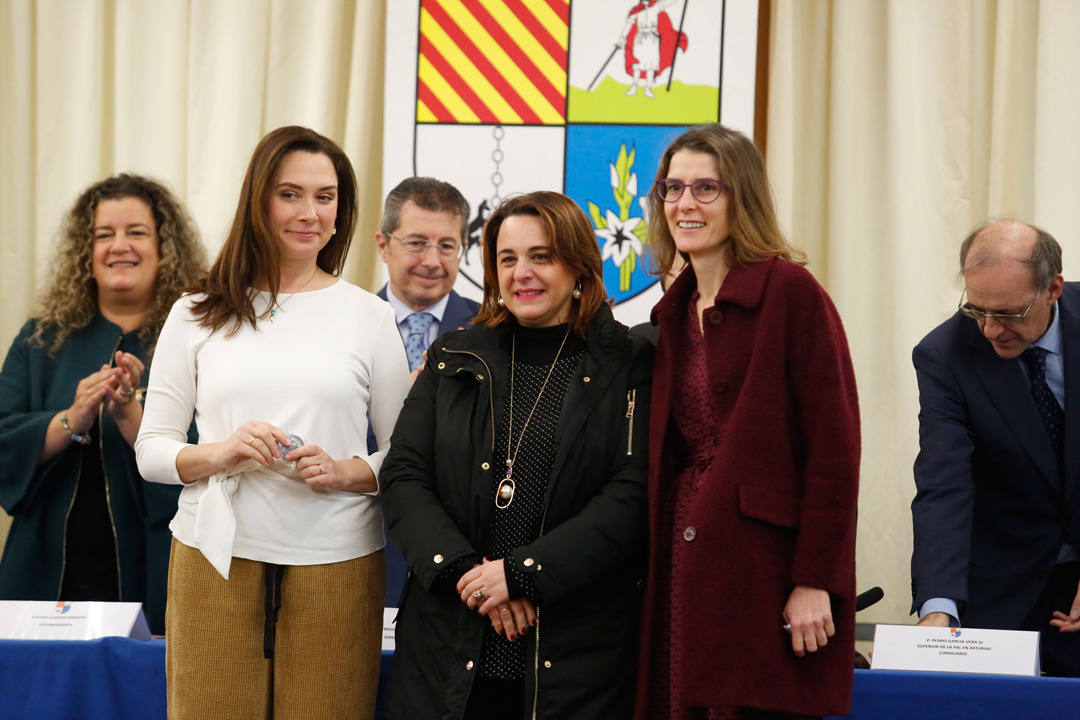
x,y
327,360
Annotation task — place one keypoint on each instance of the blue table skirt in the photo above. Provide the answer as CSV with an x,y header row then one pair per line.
x,y
108,679
892,695
117,678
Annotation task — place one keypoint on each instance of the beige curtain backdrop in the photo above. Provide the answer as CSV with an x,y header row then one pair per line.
x,y
896,126
180,90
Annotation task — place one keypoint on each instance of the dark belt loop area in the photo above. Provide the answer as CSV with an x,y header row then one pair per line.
x,y
273,577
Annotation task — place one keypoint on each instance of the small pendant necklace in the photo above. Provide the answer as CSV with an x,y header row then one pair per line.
x,y
279,306
504,495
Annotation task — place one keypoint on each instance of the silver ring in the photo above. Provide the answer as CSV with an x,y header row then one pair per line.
x,y
479,595
127,393
322,470
251,441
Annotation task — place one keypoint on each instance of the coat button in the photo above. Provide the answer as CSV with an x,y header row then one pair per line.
x,y
689,534
438,558
469,665
547,663
480,376
442,366
586,379
528,562
716,316
485,466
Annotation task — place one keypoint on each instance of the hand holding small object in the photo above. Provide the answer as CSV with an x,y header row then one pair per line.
x,y
254,440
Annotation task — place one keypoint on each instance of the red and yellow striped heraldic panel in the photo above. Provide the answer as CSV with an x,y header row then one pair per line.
x,y
493,61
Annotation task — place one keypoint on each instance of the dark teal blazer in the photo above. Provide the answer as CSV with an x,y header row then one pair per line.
x,y
34,386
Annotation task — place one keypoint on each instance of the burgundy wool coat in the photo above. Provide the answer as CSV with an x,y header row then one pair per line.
x,y
777,508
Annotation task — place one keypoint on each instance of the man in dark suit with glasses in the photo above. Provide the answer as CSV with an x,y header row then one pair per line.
x,y
996,526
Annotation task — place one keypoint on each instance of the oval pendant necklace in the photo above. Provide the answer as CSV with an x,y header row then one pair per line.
x,y
504,494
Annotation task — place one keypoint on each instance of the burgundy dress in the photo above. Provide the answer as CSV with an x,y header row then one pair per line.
x,y
697,433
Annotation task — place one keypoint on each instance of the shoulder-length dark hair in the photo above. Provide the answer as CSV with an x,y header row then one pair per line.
x,y
70,300
250,254
573,243
755,233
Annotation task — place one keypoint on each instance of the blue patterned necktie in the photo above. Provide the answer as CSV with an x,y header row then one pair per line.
x,y
1053,417
416,342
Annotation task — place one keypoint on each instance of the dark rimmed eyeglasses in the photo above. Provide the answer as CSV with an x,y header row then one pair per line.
x,y
980,315
415,245
705,190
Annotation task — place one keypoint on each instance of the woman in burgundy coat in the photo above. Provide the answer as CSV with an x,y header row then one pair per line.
x,y
754,456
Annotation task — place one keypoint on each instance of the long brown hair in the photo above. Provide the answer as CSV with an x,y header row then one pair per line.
x,y
250,253
573,243
755,233
70,300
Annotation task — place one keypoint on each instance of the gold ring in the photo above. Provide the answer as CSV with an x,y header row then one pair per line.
x,y
505,609
251,441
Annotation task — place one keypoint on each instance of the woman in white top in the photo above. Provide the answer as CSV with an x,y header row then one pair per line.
x,y
276,575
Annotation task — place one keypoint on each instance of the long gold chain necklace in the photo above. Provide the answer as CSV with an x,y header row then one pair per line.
x,y
505,493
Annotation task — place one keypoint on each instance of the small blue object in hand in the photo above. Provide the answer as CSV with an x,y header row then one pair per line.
x,y
295,441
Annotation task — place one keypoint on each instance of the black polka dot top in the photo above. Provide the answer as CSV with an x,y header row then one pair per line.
x,y
520,523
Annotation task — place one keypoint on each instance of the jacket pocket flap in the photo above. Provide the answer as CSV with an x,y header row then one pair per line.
x,y
769,504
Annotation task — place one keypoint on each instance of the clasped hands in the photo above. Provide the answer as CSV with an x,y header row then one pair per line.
x,y
483,588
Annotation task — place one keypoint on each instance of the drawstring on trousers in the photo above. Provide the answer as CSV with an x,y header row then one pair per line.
x,y
273,577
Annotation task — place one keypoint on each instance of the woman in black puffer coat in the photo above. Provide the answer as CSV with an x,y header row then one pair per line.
x,y
515,486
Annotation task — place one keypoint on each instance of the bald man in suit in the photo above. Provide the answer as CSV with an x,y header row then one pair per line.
x,y
996,521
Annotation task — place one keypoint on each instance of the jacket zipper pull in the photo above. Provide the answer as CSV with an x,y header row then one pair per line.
x,y
631,399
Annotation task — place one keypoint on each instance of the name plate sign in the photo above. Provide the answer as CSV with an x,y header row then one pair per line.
x,y
389,618
963,650
44,620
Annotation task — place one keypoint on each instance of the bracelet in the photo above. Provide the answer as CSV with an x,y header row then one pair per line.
x,y
74,436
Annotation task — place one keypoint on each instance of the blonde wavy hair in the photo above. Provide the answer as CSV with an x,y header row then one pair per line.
x,y
70,300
